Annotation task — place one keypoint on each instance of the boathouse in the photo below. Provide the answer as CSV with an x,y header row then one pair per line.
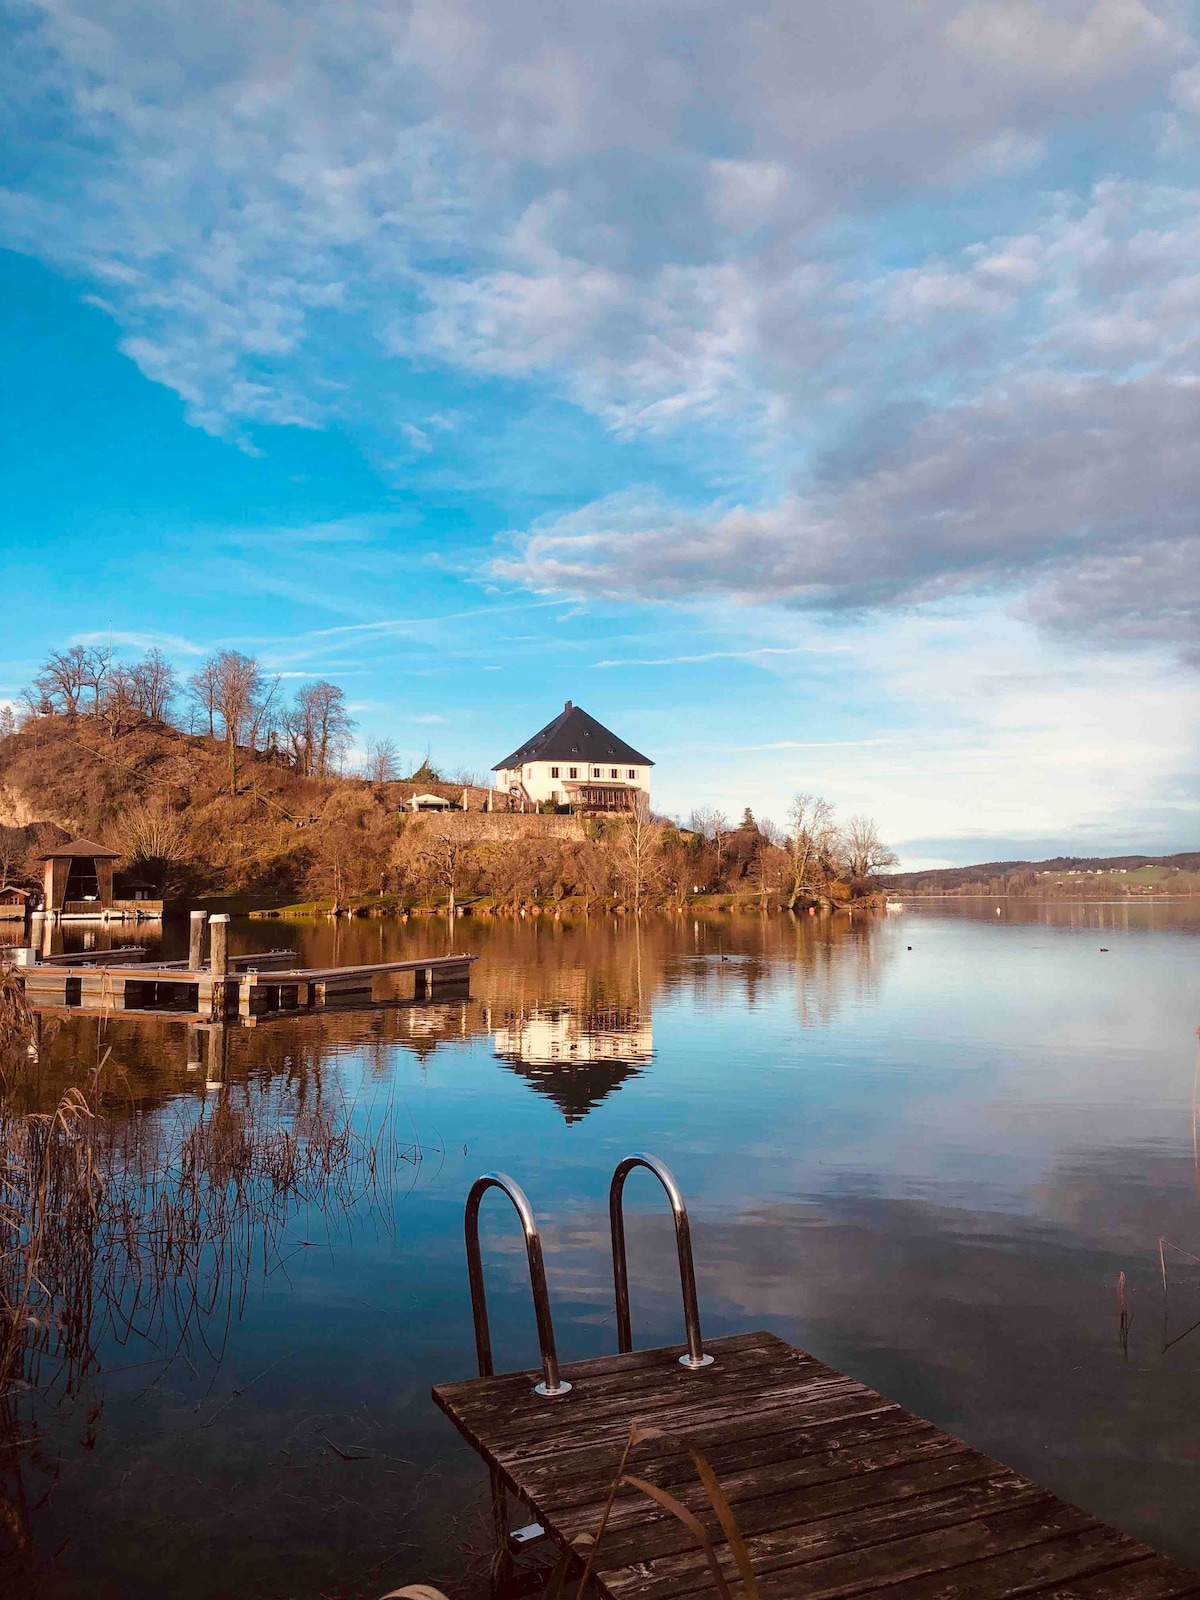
x,y
577,764
78,884
14,903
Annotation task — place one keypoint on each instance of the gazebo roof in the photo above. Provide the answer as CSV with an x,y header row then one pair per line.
x,y
80,850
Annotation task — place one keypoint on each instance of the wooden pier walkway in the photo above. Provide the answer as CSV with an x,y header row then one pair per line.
x,y
837,1490
241,992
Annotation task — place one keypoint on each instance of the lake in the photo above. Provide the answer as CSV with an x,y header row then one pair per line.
x,y
924,1146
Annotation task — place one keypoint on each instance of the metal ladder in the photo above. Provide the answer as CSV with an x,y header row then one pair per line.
x,y
552,1386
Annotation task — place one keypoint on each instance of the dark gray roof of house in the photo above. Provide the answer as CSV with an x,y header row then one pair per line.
x,y
574,736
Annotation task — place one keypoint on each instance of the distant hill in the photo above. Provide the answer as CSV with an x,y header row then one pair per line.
x,y
1060,875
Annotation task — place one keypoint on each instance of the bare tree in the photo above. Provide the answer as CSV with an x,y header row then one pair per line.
x,y
439,854
153,685
769,870
263,719
99,668
202,689
637,850
8,722
771,832
318,728
118,702
13,850
382,763
237,684
865,851
712,825
679,866
61,683
811,844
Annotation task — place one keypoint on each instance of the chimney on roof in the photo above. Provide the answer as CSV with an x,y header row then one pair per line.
x,y
568,706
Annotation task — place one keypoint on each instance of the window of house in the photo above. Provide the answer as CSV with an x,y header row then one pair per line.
x,y
596,773
574,772
633,772
613,772
554,772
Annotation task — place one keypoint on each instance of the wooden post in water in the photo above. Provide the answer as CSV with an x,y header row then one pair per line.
x,y
216,1055
218,959
196,940
195,1048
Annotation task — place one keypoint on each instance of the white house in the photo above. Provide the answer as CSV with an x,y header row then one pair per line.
x,y
575,761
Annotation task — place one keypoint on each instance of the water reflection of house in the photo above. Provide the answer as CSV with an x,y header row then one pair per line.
x,y
575,1056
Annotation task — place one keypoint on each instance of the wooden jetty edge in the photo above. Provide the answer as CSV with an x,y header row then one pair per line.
x,y
244,988
245,995
837,1490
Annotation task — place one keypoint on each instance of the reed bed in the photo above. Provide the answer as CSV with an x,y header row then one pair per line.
x,y
153,1225
17,1026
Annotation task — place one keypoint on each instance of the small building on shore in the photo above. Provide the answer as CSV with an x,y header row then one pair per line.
x,y
575,763
14,903
78,885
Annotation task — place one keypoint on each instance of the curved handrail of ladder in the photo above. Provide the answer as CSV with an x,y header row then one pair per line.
x,y
695,1357
551,1385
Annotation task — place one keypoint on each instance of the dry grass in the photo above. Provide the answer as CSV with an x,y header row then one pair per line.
x,y
154,1225
17,1027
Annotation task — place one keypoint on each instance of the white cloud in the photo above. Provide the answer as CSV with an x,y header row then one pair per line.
x,y
983,733
150,639
509,186
1038,40
712,250
714,655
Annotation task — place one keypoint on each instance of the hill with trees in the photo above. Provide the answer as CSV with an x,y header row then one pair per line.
x,y
221,785
1060,877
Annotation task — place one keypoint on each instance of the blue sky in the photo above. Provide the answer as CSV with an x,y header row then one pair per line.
x,y
809,392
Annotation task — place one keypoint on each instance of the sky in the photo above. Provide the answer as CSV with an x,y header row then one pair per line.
x,y
810,392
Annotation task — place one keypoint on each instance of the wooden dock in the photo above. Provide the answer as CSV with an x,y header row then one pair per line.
x,y
837,1491
242,992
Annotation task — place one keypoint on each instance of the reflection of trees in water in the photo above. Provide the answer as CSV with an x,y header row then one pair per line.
x,y
569,1006
139,1228
824,959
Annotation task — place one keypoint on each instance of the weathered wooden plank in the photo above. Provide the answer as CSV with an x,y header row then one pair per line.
x,y
850,1511
515,1412
410,965
870,1468
741,1446
838,1491
746,1371
1099,1564
662,1409
505,1384
858,1555
1152,1579
575,1470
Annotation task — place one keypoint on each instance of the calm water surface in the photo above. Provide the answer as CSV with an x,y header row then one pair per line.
x,y
923,1146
